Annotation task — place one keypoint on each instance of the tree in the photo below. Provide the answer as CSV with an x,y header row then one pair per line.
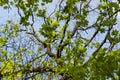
x,y
60,39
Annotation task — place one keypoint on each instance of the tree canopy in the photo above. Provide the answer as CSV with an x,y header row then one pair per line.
x,y
59,40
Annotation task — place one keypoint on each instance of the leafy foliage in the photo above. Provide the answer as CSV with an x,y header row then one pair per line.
x,y
60,39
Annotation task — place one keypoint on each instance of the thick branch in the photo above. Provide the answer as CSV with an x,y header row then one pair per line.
x,y
96,51
61,47
44,44
59,50
102,43
36,36
49,52
96,32
28,70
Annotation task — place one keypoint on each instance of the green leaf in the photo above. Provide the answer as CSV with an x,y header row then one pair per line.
x,y
57,14
55,23
115,32
2,41
41,13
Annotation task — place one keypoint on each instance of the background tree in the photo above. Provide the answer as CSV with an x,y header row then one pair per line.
x,y
60,39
